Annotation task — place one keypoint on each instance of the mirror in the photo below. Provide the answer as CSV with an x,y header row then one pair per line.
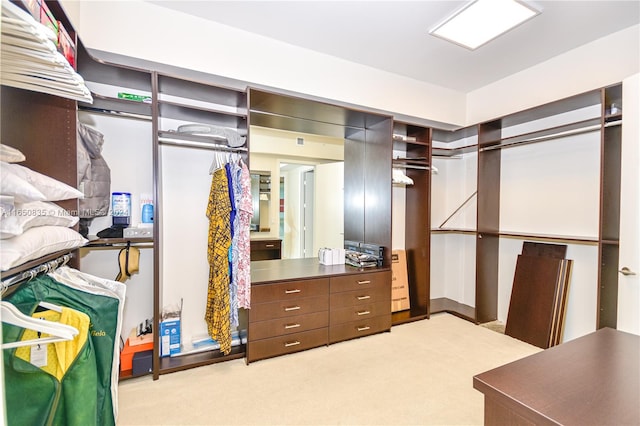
x,y
304,203
260,196
350,146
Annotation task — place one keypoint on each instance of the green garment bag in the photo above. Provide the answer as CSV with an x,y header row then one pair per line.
x,y
35,397
103,312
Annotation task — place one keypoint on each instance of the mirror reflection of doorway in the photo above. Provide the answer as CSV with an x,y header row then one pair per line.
x,y
308,188
297,196
311,201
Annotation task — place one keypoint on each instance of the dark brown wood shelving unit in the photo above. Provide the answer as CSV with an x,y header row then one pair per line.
x,y
489,185
488,233
204,102
609,228
415,142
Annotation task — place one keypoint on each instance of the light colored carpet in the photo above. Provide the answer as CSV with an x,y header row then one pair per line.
x,y
420,373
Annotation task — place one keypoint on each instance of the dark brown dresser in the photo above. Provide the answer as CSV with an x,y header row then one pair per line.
x,y
298,304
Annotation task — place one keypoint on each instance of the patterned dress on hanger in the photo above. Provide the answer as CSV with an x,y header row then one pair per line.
x,y
219,241
244,205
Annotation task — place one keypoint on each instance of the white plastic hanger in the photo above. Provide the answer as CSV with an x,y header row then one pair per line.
x,y
58,332
219,160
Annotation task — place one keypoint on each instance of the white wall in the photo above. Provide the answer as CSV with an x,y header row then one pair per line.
x,y
142,30
128,151
629,286
605,61
184,275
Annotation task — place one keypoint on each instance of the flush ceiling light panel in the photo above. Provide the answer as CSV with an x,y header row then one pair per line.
x,y
481,21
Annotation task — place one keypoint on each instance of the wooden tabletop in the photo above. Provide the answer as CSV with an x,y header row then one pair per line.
x,y
264,271
592,380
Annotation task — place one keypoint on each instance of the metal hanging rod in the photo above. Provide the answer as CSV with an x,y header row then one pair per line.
x,y
30,274
199,145
412,166
544,138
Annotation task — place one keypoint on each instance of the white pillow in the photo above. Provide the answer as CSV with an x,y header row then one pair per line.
x,y
37,242
20,189
10,154
52,189
36,213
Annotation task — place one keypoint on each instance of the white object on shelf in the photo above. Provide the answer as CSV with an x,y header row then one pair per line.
x,y
30,59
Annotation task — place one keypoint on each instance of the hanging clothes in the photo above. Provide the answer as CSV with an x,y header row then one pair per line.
x,y
100,286
233,221
217,314
102,310
242,259
60,379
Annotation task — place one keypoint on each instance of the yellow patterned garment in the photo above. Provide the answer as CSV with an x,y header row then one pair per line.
x,y
60,355
218,301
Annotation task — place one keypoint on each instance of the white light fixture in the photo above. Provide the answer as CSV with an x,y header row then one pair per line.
x,y
483,20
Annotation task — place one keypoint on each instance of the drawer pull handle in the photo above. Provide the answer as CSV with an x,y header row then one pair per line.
x,y
365,328
364,297
269,245
291,308
364,312
288,326
364,282
297,290
289,344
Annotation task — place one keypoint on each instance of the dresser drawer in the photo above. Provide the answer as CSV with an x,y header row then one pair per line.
x,y
290,343
288,308
360,281
288,290
281,326
361,297
265,244
360,328
359,313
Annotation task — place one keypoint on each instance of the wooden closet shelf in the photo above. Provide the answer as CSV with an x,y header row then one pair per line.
x,y
208,108
453,152
453,231
178,363
545,237
120,107
109,242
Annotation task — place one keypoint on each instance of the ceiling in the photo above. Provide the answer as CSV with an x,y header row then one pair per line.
x,y
394,35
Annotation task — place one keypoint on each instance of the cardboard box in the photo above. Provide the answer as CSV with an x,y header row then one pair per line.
x,y
399,281
170,337
135,340
127,353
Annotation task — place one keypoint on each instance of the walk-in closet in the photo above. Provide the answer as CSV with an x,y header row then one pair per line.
x,y
262,221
